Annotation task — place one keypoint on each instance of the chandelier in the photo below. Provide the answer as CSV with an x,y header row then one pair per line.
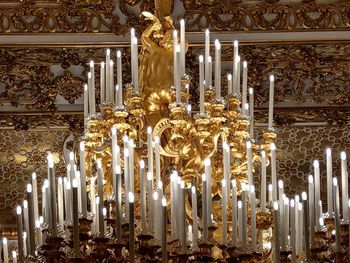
x,y
151,180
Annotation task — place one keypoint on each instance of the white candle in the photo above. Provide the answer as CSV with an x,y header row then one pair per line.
x,y
229,83
240,218
273,172
14,256
311,190
344,186
234,70
68,202
270,192
35,197
253,217
111,80
210,65
118,201
207,54
183,47
149,149
155,196
234,211
317,189
164,231
78,178
286,223
102,82
250,163
194,216
175,45
75,218
182,217
131,228
226,166
25,252
281,206
143,196
107,85
126,175
201,86
119,79
177,72
238,76
26,220
329,180
97,215
173,206
31,219
5,250
217,69
204,208
276,234
92,194
157,157
244,87
86,103
306,226
20,232
60,202
70,176
207,171
224,211
263,181
131,164
293,229
251,113
271,100
92,88
136,67
336,214
244,218
83,179
100,194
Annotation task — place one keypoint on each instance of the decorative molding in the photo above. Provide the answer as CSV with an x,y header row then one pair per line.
x,y
103,16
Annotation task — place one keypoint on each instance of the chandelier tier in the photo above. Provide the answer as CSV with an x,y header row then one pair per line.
x,y
152,181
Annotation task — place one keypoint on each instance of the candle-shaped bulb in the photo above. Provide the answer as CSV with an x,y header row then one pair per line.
x,y
280,184
343,156
69,167
229,77
68,185
132,31
297,198
238,59
272,78
59,180
149,176
33,176
116,88
207,32
155,195
89,75
204,178
304,196
91,64
75,183
182,22
160,185
200,58
4,240
174,33
316,164
19,210
335,181
270,187
102,65
239,204
173,176
99,164
244,187
119,54
111,63
275,206
235,43
245,64
85,87
156,139
134,41
246,106
263,154
149,129
118,169
14,254
142,164
49,160
25,204
252,189
108,51
292,203
126,152
217,44
223,183
178,180
114,131
207,162
178,49
300,206
311,179
328,151
234,183
41,219
182,184
71,156
273,147
286,200
250,90
249,144
321,220
209,59
189,107
97,200
29,188
104,212
163,201
193,189
125,138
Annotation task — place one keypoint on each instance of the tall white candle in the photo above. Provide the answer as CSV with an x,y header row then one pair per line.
x,y
276,234
281,211
5,250
270,192
344,186
131,228
150,200
136,66
317,190
271,100
204,208
263,181
177,72
92,88
35,197
183,46
224,211
143,196
201,85
207,54
31,219
118,201
210,78
100,195
107,85
83,179
273,172
149,149
26,221
164,232
86,103
60,202
53,198
253,217
337,214
14,256
250,163
329,180
194,216
20,232
92,194
311,190
238,76
157,157
217,69
240,218
244,87
244,219
111,81
175,45
226,167
293,229
102,82
119,79
286,222
306,226
75,217
251,113
234,211
173,213
207,171
131,164
182,217
234,70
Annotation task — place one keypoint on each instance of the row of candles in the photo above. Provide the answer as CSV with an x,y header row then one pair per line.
x,y
63,207
237,85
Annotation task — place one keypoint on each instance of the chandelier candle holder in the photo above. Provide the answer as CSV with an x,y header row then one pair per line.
x,y
151,181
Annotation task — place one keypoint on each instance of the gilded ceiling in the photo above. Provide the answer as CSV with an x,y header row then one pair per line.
x,y
41,85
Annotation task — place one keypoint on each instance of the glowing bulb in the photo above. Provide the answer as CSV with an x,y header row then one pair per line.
x,y
149,130
149,176
99,164
207,162
273,147
272,78
292,203
245,64
280,184
102,65
229,77
234,183
263,154
343,156
155,195
335,181
91,64
82,146
33,176
204,178
316,164
108,51
163,201
142,164
235,43
19,210
311,179
193,189
328,151
275,206
200,58
119,54
75,183
59,180
29,188
304,196
114,131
